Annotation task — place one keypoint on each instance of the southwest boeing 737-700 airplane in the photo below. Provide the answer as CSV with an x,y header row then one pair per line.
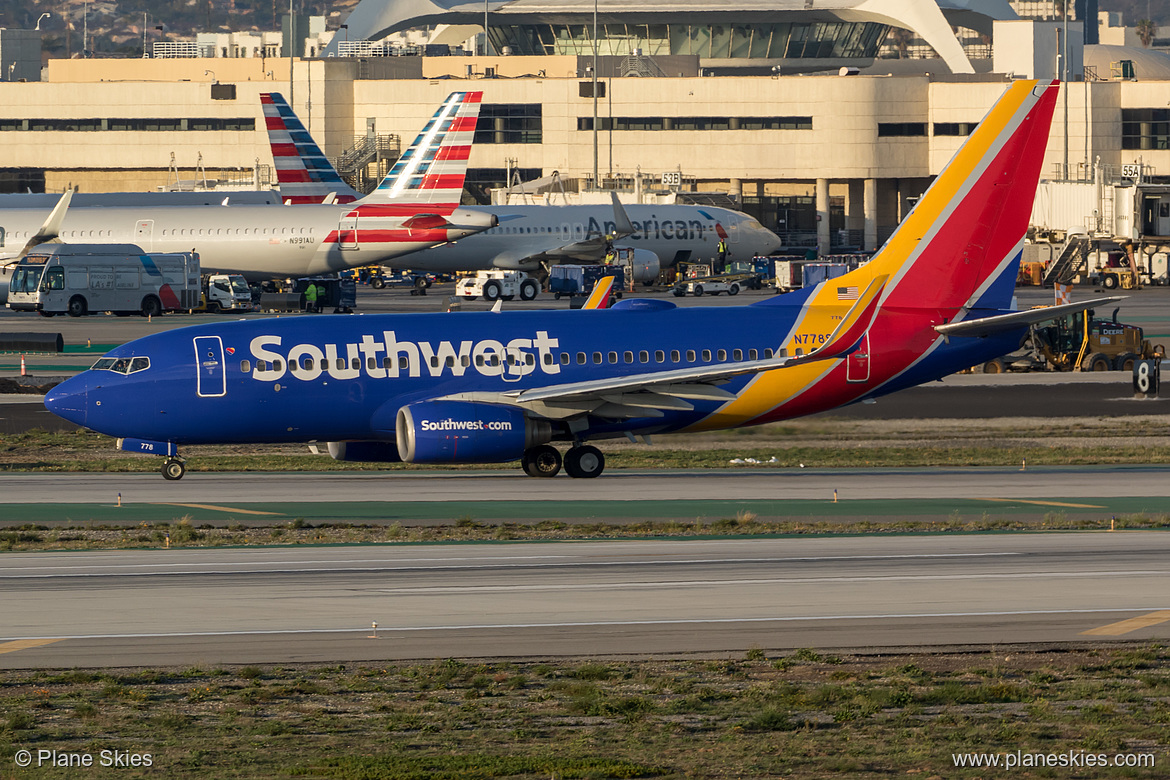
x,y
500,386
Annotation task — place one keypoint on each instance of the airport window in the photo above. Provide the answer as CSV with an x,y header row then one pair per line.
x,y
464,361
643,357
954,128
898,129
597,358
139,364
245,366
675,356
356,364
386,362
450,362
722,355
690,356
628,357
403,362
1145,128
768,353
371,364
493,359
509,123
613,357
706,356
479,360
799,351
753,354
659,356
324,363
276,365
549,359
580,358
529,360
644,123
434,361
564,358
737,355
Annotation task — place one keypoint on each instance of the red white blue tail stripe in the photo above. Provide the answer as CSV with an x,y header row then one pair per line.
x,y
304,173
432,170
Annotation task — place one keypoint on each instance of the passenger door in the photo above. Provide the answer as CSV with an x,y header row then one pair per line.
x,y
857,363
144,234
347,237
211,379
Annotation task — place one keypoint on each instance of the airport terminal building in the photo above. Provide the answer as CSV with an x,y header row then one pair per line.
x,y
783,106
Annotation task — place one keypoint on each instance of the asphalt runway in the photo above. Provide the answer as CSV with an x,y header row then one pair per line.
x,y
178,607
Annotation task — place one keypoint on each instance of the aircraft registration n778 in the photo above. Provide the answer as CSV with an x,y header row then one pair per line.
x,y
478,387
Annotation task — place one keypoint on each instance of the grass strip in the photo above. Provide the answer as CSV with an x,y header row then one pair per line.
x,y
797,715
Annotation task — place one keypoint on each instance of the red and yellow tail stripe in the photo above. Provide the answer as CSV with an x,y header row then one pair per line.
x,y
963,234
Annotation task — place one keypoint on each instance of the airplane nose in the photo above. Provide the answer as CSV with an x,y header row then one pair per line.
x,y
70,399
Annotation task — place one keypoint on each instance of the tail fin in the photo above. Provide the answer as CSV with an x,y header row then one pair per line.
x,y
304,173
432,170
960,246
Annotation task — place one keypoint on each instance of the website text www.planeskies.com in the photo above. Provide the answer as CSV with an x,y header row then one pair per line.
x,y
1069,759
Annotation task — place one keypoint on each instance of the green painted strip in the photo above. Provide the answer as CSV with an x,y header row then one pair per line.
x,y
379,512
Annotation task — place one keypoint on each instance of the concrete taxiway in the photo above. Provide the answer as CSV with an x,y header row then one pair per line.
x,y
579,598
445,497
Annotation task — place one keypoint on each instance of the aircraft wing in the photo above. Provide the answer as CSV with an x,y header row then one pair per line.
x,y
587,250
987,326
647,394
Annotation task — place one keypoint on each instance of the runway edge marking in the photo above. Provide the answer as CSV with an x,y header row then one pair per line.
x,y
26,644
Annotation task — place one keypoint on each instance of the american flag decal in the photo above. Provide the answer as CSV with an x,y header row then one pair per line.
x,y
847,293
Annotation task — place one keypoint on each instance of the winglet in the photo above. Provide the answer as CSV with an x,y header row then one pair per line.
x,y
622,225
853,325
50,232
600,297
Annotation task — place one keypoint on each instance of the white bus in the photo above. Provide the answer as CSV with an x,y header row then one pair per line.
x,y
77,279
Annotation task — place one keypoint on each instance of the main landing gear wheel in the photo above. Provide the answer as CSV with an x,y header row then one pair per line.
x,y
542,461
584,462
174,468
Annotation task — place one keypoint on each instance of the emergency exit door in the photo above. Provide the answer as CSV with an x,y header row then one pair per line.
x,y
211,381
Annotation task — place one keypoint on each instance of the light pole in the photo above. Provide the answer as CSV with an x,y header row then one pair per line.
x,y
145,16
44,16
595,180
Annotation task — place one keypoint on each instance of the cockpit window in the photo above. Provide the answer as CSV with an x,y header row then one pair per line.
x,y
122,365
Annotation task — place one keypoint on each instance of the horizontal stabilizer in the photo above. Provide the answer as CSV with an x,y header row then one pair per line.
x,y
989,326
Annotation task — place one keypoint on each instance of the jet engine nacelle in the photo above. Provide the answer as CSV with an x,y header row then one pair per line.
x,y
646,266
472,218
364,451
466,432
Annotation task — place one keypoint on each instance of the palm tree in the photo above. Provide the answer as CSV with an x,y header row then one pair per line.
x,y
1146,30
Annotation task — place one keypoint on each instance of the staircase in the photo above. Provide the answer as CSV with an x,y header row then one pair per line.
x,y
1069,264
354,163
639,65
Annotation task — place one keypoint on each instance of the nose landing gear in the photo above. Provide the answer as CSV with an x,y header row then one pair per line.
x,y
173,468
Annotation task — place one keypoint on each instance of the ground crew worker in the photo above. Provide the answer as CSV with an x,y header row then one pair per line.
x,y
721,263
311,298
322,295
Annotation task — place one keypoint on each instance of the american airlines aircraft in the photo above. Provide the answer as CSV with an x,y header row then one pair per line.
x,y
531,237
414,211
484,387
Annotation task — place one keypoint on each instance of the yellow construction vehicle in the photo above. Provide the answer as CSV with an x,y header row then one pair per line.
x,y
1081,342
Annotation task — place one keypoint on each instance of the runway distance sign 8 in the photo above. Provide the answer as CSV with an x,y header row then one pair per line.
x,y
1146,375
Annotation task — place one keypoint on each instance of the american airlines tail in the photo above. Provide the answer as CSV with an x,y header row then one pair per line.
x,y
433,169
304,173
